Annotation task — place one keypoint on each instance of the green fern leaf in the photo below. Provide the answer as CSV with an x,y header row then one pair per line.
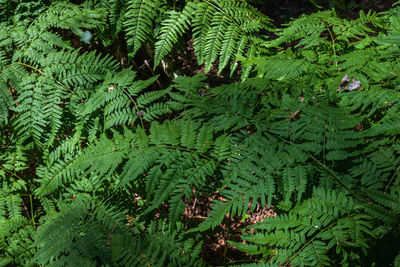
x,y
139,22
218,28
201,25
171,29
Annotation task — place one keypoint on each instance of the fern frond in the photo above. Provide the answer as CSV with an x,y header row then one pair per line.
x,y
385,206
32,121
98,168
171,29
301,237
307,27
229,43
223,29
15,241
201,25
6,101
73,17
116,12
138,22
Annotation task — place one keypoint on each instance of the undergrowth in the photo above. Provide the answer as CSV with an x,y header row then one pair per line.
x,y
97,166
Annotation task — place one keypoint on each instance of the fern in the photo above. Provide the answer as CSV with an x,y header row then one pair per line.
x,y
139,21
221,30
115,10
5,102
171,29
15,228
310,28
183,172
101,163
104,228
305,235
217,30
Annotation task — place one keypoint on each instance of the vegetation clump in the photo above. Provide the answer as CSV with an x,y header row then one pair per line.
x,y
110,155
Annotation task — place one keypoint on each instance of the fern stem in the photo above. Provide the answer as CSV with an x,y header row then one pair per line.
x,y
222,11
42,73
314,237
324,167
146,63
315,4
227,238
391,179
136,106
187,150
333,42
336,178
10,172
32,215
394,74
31,67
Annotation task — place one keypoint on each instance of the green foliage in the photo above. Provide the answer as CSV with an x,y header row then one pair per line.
x,y
171,29
222,30
100,164
305,235
139,21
